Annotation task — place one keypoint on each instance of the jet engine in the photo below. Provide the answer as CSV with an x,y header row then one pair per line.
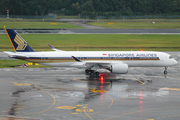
x,y
119,68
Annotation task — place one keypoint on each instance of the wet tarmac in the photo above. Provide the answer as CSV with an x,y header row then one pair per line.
x,y
69,94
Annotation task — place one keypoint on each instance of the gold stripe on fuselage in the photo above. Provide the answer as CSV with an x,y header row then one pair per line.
x,y
72,60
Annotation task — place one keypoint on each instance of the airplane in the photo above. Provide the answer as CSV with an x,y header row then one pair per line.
x,y
116,62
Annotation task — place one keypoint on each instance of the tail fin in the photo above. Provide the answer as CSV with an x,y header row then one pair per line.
x,y
18,43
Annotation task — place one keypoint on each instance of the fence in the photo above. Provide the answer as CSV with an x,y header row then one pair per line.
x,y
131,17
29,16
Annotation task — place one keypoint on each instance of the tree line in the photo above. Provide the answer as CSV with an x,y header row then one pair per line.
x,y
91,7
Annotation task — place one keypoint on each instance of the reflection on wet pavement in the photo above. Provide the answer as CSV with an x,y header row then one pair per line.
x,y
54,93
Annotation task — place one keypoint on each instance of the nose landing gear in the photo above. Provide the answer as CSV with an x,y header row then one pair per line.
x,y
165,71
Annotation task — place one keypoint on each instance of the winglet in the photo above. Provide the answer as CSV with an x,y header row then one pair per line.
x,y
53,48
77,60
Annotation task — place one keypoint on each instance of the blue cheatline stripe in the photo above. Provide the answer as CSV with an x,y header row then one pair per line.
x,y
107,58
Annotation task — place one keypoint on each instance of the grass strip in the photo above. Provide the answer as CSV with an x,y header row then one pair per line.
x,y
35,25
138,25
13,63
93,42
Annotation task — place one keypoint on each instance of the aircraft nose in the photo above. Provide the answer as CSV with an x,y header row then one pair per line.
x,y
175,62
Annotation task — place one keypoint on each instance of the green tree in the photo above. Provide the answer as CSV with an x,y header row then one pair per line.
x,y
73,7
118,14
46,5
88,7
93,15
84,14
76,7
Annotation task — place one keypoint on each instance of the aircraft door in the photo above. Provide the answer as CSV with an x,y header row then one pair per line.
x,y
162,57
131,57
82,57
42,58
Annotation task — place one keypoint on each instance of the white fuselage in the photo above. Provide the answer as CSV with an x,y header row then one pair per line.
x,y
131,58
114,61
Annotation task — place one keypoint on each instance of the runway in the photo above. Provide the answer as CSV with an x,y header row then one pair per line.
x,y
69,94
93,30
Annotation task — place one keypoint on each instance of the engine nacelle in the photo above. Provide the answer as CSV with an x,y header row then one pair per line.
x,y
119,68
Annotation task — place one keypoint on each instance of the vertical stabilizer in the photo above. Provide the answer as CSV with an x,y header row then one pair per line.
x,y
18,43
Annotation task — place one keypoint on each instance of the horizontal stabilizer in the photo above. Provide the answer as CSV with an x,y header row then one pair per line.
x,y
15,55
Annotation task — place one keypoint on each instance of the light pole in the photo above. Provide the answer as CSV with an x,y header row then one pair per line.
x,y
7,14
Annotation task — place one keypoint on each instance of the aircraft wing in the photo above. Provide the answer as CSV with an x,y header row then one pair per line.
x,y
15,55
113,66
97,63
101,63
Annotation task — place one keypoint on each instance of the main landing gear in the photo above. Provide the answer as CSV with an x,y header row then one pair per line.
x,y
92,73
165,71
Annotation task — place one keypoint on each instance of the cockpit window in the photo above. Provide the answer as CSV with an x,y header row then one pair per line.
x,y
170,57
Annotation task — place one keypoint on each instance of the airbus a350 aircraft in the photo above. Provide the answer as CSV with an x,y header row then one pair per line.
x,y
114,61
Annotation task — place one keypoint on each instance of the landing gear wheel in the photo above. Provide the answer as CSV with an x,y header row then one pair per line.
x,y
165,71
97,74
91,72
86,71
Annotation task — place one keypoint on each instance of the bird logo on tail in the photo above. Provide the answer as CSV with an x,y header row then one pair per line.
x,y
21,44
